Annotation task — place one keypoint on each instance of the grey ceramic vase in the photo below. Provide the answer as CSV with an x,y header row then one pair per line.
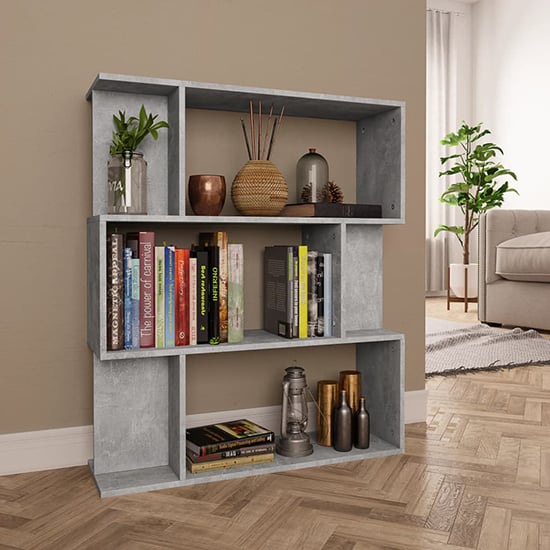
x,y
362,426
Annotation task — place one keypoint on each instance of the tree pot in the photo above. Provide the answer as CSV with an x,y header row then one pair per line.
x,y
457,279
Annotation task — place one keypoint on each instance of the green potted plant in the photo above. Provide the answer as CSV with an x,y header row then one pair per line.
x,y
127,170
477,189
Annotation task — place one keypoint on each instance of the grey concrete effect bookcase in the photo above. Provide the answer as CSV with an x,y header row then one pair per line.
x,y
139,395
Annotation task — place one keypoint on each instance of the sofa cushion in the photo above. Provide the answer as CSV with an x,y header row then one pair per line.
x,y
525,258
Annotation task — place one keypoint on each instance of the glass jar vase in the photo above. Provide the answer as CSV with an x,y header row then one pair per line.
x,y
311,177
127,183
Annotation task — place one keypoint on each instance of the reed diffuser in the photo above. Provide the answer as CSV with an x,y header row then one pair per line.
x,y
259,188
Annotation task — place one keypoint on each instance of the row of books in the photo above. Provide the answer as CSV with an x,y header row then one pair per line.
x,y
165,296
228,445
297,291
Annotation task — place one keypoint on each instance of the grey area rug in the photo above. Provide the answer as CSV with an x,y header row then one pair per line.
x,y
453,348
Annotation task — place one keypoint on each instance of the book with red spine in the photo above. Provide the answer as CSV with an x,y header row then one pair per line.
x,y
182,296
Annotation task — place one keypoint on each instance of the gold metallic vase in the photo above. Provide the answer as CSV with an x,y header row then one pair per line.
x,y
350,380
327,396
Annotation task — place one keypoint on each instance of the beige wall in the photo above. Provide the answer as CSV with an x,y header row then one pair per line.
x,y
49,54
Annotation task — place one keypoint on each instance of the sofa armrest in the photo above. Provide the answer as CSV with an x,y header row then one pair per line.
x,y
495,227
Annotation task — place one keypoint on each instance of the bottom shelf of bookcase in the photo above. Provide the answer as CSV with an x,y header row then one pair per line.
x,y
163,477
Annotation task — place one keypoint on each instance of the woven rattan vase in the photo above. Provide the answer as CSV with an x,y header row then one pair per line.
x,y
259,189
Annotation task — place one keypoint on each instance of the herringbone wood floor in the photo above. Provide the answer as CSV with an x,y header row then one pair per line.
x,y
476,475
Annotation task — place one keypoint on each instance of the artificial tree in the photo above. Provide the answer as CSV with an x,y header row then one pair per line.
x,y
478,188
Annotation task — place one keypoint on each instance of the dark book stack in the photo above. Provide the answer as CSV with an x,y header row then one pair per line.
x,y
228,445
297,292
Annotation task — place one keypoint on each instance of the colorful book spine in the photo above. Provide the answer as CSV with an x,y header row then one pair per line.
x,y
327,293
295,293
159,296
147,289
312,297
232,453
135,303
302,291
319,293
128,306
169,297
235,293
202,295
227,463
182,296
115,292
213,295
278,290
219,239
193,284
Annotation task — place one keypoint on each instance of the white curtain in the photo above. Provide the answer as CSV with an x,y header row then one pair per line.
x,y
441,109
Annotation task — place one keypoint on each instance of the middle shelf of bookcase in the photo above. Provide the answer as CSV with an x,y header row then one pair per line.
x,y
356,267
256,340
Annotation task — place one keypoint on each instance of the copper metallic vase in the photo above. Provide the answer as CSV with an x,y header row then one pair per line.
x,y
327,397
350,380
206,194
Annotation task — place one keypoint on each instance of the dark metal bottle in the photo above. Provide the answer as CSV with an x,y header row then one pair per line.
x,y
362,426
343,433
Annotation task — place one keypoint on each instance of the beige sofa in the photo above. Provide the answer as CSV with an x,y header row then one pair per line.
x,y
514,268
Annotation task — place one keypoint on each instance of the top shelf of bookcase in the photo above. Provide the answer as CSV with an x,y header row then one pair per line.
x,y
231,220
379,138
199,95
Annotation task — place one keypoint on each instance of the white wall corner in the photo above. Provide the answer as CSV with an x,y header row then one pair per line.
x,y
416,406
65,447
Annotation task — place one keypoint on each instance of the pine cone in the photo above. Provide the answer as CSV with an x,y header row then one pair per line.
x,y
306,193
332,193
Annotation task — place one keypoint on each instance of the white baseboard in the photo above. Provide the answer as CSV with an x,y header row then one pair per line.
x,y
45,449
64,447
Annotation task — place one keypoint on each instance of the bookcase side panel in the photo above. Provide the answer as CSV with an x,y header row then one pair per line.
x,y
362,278
329,238
95,284
176,156
382,366
130,414
380,162
104,105
176,415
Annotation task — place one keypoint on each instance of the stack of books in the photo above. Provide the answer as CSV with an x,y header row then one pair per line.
x,y
297,291
162,296
228,445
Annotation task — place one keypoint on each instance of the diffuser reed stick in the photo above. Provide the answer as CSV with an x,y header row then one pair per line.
x,y
267,130
252,135
246,140
256,146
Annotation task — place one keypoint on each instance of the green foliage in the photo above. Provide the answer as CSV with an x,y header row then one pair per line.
x,y
132,131
477,188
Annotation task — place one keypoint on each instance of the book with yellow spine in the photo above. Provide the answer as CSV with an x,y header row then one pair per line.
x,y
302,291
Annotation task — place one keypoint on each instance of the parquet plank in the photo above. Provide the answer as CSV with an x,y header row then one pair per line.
x,y
523,535
445,507
495,529
469,519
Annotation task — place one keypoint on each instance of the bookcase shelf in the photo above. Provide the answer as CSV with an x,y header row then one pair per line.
x,y
140,414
